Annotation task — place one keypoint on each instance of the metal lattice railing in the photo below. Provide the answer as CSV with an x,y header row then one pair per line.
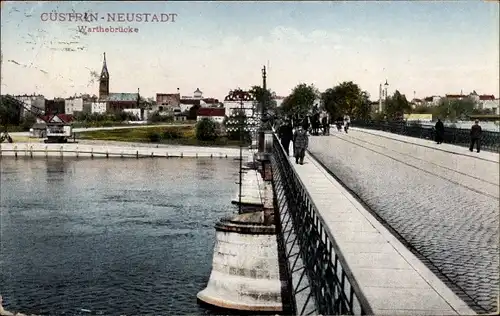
x,y
304,238
456,136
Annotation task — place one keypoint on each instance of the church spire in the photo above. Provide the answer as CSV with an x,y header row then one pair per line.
x,y
104,71
104,80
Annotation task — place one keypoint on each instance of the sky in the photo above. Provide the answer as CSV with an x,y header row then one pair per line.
x,y
421,48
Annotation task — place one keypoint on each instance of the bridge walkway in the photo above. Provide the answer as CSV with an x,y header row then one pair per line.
x,y
442,203
392,278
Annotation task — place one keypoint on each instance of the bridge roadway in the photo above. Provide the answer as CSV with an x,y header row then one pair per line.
x,y
441,202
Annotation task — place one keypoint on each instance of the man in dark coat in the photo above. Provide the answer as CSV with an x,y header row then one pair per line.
x,y
475,136
286,135
439,131
300,143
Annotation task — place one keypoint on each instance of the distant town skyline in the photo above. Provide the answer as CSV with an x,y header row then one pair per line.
x,y
428,48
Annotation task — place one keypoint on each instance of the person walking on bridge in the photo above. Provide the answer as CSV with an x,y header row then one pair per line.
x,y
286,135
439,131
300,143
347,123
475,136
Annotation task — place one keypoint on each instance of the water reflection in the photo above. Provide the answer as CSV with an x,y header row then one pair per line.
x,y
111,236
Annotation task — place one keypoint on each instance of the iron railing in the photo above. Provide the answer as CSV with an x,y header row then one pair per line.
x,y
322,270
456,136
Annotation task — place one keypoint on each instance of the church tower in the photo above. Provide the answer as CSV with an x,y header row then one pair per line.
x,y
104,80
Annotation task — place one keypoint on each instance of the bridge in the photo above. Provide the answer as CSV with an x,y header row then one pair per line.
x,y
375,221
380,223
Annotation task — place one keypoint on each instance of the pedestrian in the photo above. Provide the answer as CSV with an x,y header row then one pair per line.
x,y
475,136
286,134
439,131
347,122
300,143
339,123
324,123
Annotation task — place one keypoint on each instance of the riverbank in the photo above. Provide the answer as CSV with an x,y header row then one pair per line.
x,y
172,135
107,149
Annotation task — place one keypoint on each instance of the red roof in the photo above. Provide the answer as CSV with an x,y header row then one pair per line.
x,y
211,112
455,96
65,118
486,97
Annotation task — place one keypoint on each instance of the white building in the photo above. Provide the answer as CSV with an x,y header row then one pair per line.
x,y
493,105
72,105
34,102
432,101
233,106
98,107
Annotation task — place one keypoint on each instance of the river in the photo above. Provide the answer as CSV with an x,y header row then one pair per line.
x,y
110,237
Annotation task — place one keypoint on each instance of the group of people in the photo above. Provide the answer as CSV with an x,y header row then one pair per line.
x,y
297,132
475,135
343,122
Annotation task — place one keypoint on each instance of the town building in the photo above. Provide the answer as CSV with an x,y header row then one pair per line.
x,y
115,102
432,100
164,100
34,102
81,104
239,98
187,102
492,105
216,114
55,106
98,107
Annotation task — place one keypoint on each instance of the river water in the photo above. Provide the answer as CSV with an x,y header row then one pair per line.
x,y
110,237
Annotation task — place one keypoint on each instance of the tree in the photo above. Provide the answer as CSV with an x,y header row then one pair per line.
x,y
301,101
28,121
10,110
455,109
193,112
347,99
206,130
396,105
422,109
262,96
236,126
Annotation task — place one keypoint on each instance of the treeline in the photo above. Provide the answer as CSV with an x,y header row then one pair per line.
x,y
452,110
347,98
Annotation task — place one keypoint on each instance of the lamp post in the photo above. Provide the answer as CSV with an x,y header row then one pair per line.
x,y
263,113
265,138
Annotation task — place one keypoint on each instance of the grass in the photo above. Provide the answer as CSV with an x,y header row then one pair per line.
x,y
113,123
175,135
